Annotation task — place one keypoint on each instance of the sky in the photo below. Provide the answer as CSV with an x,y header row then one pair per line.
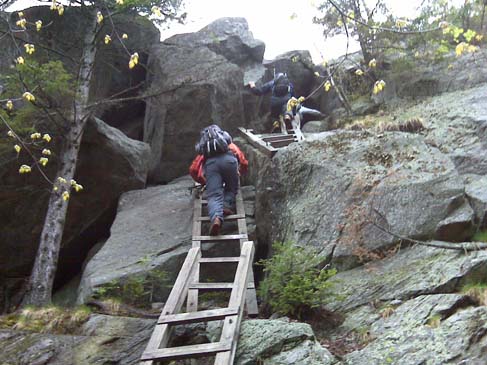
x,y
270,21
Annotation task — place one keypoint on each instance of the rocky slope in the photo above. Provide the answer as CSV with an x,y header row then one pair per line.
x,y
351,195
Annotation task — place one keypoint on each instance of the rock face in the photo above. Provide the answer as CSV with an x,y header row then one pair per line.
x,y
200,76
410,273
428,329
110,163
102,340
132,253
340,190
166,214
277,342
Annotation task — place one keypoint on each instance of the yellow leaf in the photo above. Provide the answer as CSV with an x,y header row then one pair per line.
x,y
24,169
46,137
60,9
29,48
35,135
327,86
317,74
125,36
372,63
62,180
359,72
43,161
156,11
78,188
10,133
28,96
21,23
119,2
20,60
108,39
17,148
10,105
65,196
46,152
99,17
38,25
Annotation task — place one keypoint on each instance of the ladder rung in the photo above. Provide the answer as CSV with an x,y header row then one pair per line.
x,y
222,237
233,216
217,286
219,259
200,316
181,352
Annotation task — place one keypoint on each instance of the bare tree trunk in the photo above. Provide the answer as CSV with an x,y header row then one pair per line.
x,y
362,37
39,290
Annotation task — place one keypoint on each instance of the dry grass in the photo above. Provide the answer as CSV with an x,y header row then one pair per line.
x,y
49,319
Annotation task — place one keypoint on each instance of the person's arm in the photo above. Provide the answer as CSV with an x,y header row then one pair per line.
x,y
262,90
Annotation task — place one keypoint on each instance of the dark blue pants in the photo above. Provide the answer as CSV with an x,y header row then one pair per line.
x,y
221,174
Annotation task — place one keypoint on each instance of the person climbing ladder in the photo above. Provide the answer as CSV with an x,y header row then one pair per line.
x,y
217,165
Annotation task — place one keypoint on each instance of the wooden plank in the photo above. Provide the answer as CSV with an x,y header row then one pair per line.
x,y
192,300
223,237
231,325
281,144
251,296
227,217
176,298
227,259
279,137
217,286
183,352
200,316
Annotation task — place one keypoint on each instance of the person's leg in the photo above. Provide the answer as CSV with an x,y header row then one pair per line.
x,y
310,113
229,171
214,189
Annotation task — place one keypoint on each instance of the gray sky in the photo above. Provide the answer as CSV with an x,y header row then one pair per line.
x,y
270,21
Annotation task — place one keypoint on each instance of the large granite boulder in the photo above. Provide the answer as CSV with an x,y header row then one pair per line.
x,y
430,329
457,123
101,340
197,85
109,164
150,238
279,342
411,272
342,192
420,77
228,37
152,231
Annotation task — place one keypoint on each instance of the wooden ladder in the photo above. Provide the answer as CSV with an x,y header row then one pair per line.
x,y
270,143
188,286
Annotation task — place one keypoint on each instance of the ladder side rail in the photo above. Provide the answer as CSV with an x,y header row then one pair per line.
x,y
192,302
175,301
231,325
251,295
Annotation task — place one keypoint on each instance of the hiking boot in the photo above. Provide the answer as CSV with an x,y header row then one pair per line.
x,y
228,211
215,227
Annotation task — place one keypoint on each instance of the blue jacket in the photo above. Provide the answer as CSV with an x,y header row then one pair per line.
x,y
269,87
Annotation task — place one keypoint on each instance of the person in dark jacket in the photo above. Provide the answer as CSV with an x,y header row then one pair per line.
x,y
279,94
220,172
